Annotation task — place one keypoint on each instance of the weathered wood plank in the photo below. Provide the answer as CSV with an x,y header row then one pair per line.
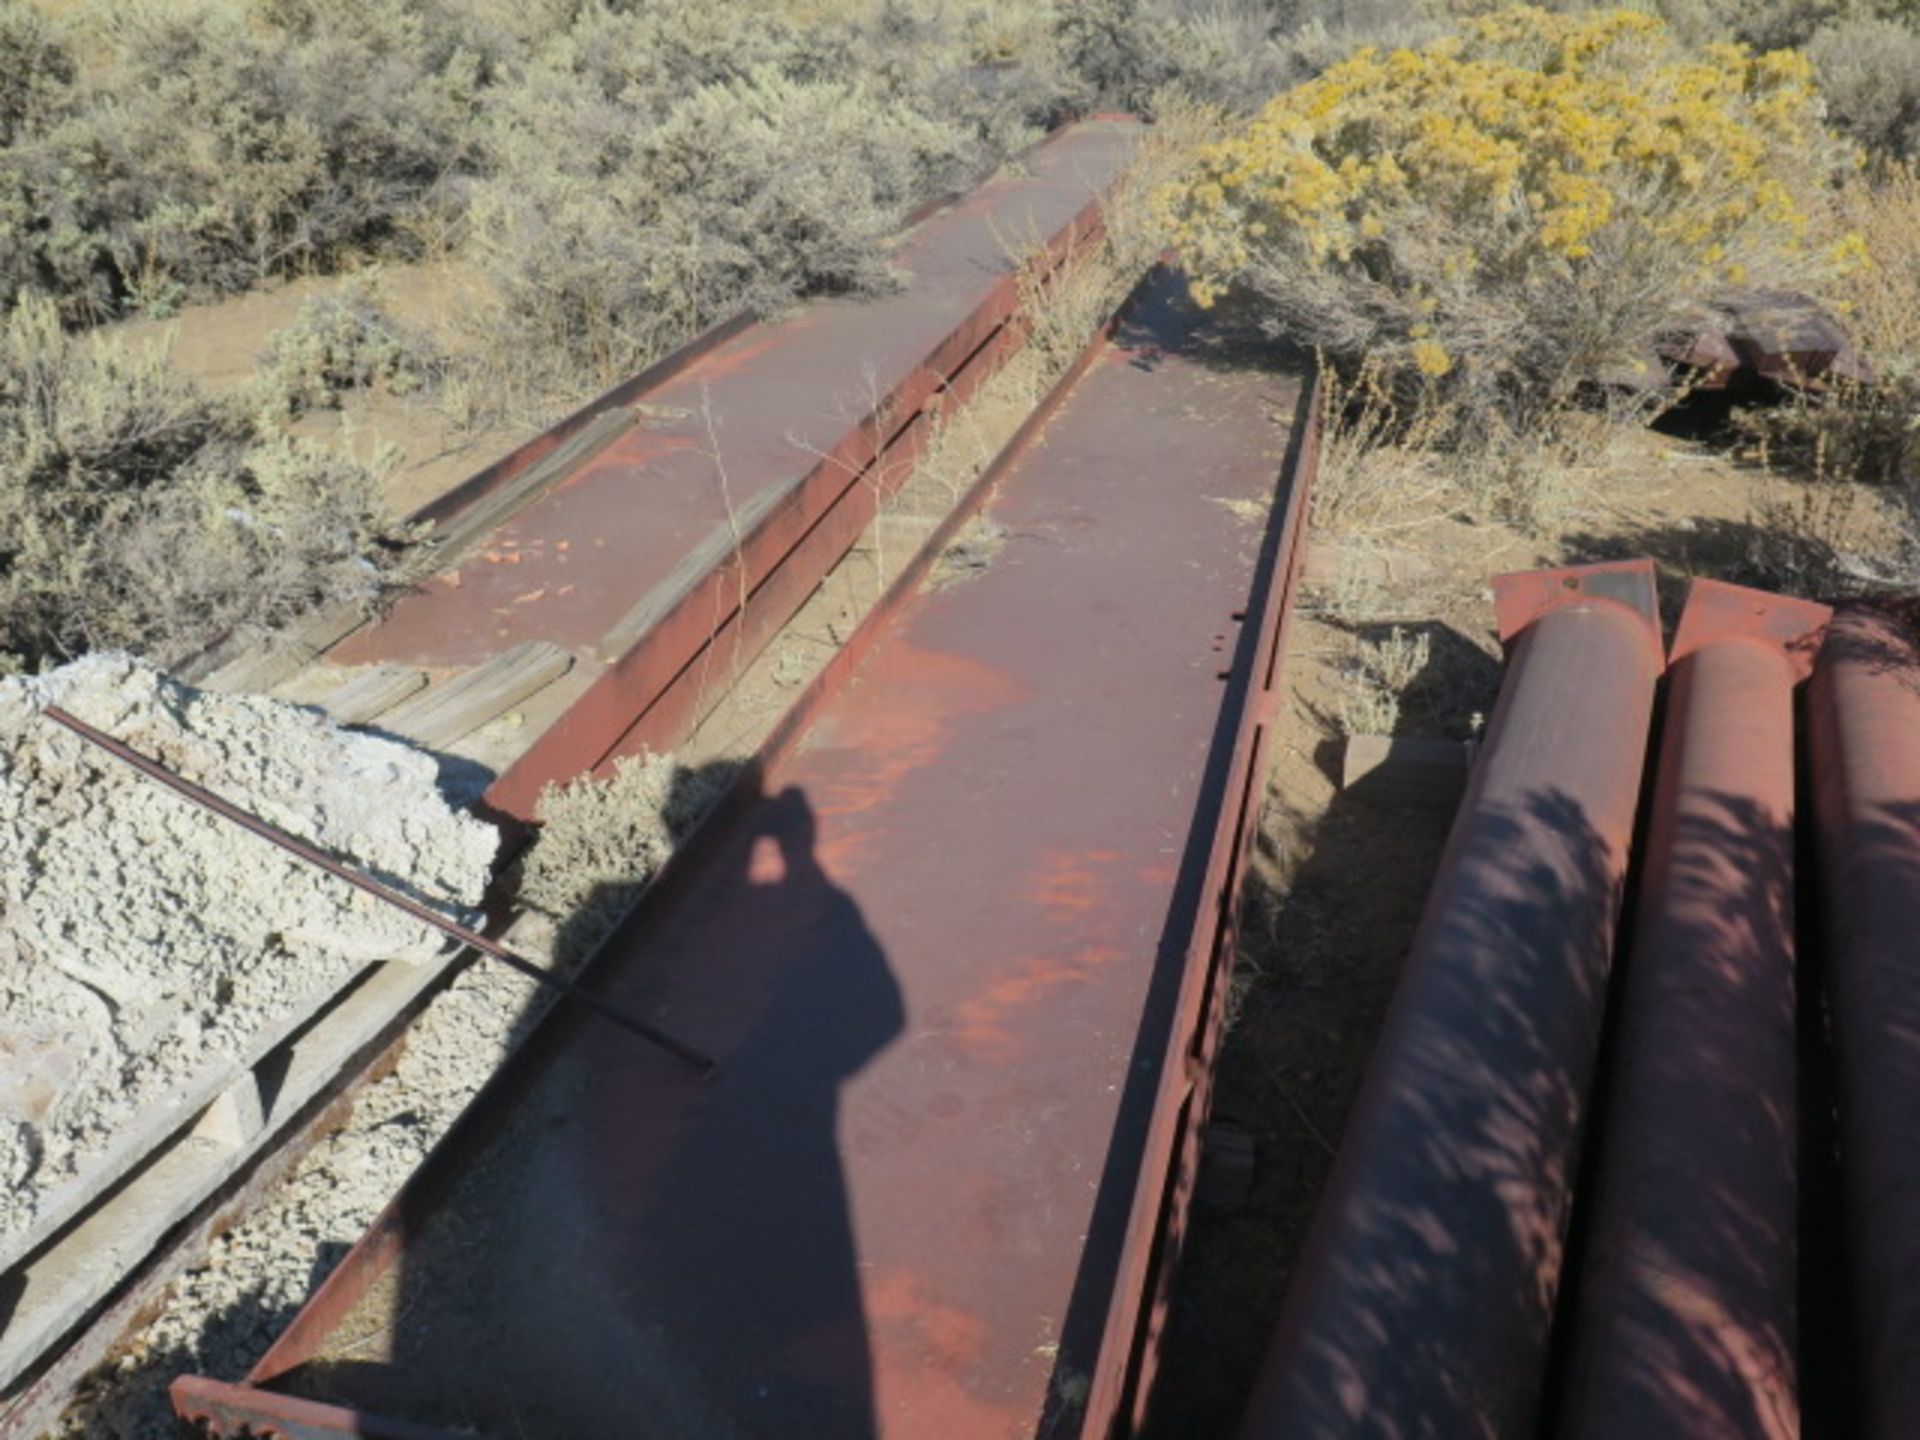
x,y
258,670
494,509
372,693
444,713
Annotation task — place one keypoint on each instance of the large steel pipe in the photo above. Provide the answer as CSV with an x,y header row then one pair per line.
x,y
1685,1318
1424,1298
1864,743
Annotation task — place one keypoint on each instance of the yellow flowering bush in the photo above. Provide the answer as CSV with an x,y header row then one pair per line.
x,y
1516,208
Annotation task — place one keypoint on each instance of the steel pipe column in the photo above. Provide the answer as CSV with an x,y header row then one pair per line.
x,y
1684,1324
1424,1300
1864,742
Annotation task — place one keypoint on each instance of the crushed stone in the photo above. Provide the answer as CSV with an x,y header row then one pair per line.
x,y
145,942
601,840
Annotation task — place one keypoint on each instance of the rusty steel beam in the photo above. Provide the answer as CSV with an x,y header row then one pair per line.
x,y
1863,731
1425,1294
665,560
959,942
221,1408
1685,1321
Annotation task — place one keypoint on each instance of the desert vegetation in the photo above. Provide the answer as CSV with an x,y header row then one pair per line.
x,y
144,514
1496,211
1487,236
617,177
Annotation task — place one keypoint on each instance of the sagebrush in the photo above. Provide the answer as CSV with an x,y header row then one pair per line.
x,y
144,515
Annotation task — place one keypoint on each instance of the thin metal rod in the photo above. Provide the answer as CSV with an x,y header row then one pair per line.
x,y
272,833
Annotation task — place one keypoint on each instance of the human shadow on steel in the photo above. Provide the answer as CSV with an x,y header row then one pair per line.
x,y
636,1249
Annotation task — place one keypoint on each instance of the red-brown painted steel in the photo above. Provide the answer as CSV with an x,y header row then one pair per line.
x,y
750,473
1864,745
957,945
224,1409
1425,1295
1685,1322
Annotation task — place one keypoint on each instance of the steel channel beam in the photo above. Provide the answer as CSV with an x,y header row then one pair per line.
x,y
1863,727
1425,1294
678,651
1685,1321
226,1409
749,472
1027,793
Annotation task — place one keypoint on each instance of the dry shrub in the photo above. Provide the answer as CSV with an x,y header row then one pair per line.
x,y
1517,211
1870,75
610,245
1376,677
1800,538
601,841
145,516
201,148
1381,463
339,342
1864,431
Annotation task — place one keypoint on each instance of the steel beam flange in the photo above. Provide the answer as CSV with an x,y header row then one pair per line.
x,y
1425,1295
1685,1323
1863,734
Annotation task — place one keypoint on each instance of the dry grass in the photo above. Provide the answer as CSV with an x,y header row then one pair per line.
x,y
1377,678
601,841
1381,466
1860,432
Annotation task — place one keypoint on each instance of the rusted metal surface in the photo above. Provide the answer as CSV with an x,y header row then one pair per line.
x,y
1779,337
241,1410
957,943
379,890
761,457
1424,1299
1864,747
1685,1323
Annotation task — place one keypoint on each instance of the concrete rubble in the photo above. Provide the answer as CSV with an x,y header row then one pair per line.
x,y
145,943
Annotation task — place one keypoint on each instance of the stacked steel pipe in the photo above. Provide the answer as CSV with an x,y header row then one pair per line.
x,y
1427,1295
1863,732
1425,1302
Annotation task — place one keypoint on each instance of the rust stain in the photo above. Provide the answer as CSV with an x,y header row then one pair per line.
x,y
632,452
736,355
984,1027
931,693
927,1343
1072,886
